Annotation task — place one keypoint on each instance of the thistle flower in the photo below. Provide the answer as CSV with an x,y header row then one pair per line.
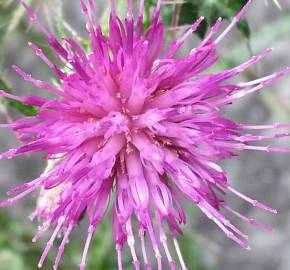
x,y
133,119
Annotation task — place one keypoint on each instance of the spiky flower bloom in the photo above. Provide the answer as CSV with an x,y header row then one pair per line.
x,y
133,118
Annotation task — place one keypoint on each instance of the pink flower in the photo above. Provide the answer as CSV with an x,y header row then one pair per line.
x,y
134,119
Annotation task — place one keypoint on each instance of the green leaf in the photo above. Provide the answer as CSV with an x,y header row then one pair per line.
x,y
22,108
189,14
212,10
244,27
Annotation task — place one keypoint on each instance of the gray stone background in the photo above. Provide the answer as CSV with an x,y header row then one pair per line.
x,y
259,175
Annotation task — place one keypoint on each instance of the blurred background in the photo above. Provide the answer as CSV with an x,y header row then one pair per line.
x,y
260,175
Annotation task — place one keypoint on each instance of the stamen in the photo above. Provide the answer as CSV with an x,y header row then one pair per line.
x,y
141,8
62,245
143,247
50,243
241,147
249,220
34,18
84,7
212,31
131,242
233,23
40,84
231,235
119,256
113,7
130,9
53,67
163,240
251,138
158,5
51,39
175,46
91,232
41,230
235,229
275,126
90,25
262,84
246,91
13,97
12,125
156,12
268,148
253,202
179,254
258,81
139,26
93,12
253,60
192,29
154,242
10,201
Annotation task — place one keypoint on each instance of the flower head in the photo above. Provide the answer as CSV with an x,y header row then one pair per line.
x,y
132,118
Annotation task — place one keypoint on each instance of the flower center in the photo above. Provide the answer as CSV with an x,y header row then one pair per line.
x,y
120,120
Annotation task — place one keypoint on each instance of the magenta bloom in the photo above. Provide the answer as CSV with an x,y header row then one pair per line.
x,y
133,119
